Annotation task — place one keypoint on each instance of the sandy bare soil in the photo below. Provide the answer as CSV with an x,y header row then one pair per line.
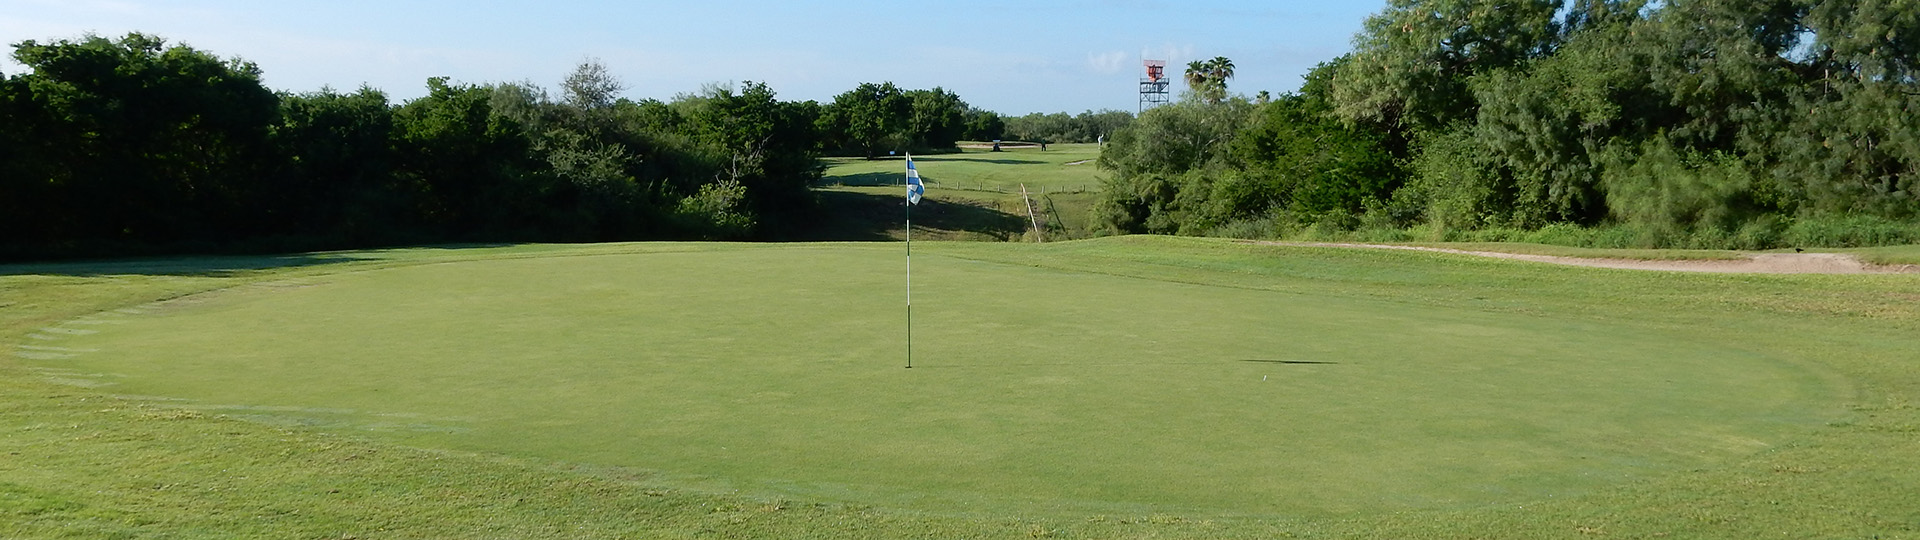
x,y
1756,263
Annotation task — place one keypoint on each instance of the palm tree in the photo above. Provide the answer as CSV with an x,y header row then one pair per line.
x,y
1219,69
1197,75
1208,79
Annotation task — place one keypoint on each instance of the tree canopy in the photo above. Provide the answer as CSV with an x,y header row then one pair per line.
x,y
134,145
1690,123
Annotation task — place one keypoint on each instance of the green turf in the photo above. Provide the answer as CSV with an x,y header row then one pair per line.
x,y
777,371
1087,389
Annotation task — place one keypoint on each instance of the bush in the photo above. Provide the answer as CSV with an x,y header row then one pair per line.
x,y
1850,231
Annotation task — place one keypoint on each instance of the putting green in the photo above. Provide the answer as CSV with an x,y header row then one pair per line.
x,y
778,371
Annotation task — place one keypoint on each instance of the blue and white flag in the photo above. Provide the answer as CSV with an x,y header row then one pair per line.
x,y
915,190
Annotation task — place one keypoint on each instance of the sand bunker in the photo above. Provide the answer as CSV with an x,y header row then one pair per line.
x,y
1759,263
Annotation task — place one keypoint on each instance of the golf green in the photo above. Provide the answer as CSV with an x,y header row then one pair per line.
x,y
778,371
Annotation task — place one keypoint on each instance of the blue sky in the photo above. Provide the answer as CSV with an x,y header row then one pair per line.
x,y
1011,57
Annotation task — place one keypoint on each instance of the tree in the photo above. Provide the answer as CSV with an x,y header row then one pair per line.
x,y
1847,143
1208,79
1086,127
336,177
984,125
1160,163
1411,62
1299,158
938,118
591,86
135,141
769,161
477,171
868,118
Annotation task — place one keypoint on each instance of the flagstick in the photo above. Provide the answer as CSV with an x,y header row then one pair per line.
x,y
909,285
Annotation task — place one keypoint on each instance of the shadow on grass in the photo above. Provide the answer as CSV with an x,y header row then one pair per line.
x,y
864,217
204,265
209,265
866,180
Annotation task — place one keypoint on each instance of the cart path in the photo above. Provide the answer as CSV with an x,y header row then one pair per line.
x,y
1754,263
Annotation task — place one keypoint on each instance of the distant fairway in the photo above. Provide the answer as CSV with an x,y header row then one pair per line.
x,y
1062,167
1048,381
974,194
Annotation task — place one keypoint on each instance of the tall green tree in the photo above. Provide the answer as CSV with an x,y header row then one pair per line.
x,y
135,141
1208,79
1411,62
937,119
476,170
1848,143
337,179
869,118
1163,162
984,125
769,149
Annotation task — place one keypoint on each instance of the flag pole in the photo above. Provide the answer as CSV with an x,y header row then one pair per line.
x,y
915,191
909,285
909,268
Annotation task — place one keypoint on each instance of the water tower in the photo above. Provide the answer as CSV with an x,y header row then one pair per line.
x,y
1153,87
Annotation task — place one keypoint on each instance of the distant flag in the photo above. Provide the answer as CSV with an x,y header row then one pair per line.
x,y
915,190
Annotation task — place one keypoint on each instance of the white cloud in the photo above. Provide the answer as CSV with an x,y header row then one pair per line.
x,y
1107,63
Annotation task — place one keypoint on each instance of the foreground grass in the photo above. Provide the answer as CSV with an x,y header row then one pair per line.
x,y
766,369
79,463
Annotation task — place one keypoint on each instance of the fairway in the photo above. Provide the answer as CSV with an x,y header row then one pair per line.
x,y
1062,167
975,194
1038,389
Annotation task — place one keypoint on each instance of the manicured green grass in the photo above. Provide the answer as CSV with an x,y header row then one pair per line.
x,y
1108,388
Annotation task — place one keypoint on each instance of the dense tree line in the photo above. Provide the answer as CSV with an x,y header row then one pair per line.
x,y
132,145
1702,122
881,117
1061,127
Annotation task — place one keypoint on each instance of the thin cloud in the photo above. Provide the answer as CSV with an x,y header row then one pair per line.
x,y
1172,53
1107,63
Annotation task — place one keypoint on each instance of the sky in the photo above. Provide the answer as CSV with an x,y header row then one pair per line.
x,y
1010,57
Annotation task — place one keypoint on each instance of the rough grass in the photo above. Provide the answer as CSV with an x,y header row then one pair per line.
x,y
1886,255
79,462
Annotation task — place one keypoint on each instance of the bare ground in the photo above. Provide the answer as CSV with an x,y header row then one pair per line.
x,y
1753,263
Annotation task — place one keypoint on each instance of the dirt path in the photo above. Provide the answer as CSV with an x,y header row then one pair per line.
x,y
1757,263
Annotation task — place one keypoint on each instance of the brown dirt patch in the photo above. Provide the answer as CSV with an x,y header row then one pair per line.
x,y
1754,263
